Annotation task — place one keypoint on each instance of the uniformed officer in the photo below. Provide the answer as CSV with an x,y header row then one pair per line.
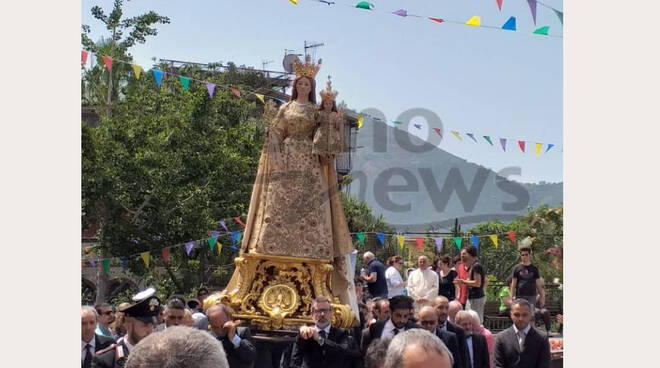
x,y
140,320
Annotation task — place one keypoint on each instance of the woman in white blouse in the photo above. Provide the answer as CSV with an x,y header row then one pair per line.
x,y
395,283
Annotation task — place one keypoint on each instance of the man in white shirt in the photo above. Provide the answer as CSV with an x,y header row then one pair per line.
x,y
91,342
422,284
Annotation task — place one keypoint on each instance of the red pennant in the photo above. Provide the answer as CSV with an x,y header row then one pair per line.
x,y
521,144
84,57
419,242
166,254
437,130
438,20
238,219
512,236
236,92
107,61
499,4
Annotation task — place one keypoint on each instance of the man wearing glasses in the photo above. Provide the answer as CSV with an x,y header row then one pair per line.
x,y
321,345
106,317
526,283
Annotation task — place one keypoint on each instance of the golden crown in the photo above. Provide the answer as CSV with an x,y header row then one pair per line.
x,y
328,94
309,69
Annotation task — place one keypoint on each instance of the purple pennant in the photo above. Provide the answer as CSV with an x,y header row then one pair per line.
x,y
418,126
211,88
438,244
189,247
92,262
532,7
215,234
224,226
472,136
401,13
503,143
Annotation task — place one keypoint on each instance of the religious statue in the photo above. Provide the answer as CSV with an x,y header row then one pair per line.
x,y
296,242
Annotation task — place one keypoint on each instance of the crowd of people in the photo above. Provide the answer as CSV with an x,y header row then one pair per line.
x,y
432,319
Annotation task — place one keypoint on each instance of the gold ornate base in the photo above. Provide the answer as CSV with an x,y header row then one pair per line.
x,y
275,292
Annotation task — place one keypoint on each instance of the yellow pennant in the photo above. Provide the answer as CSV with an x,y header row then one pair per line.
x,y
474,21
137,70
294,2
455,133
538,148
400,240
360,121
260,97
219,246
493,238
145,258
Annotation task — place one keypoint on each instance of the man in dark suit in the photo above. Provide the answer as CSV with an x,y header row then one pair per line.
x,y
237,341
441,305
321,345
91,342
476,343
140,321
401,308
428,319
520,345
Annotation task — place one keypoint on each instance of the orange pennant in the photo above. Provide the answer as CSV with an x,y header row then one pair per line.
x,y
107,61
419,241
236,92
166,254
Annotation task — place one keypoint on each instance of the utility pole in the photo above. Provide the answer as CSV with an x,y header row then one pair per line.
x,y
311,46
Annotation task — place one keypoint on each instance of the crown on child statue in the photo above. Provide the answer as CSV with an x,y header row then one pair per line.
x,y
328,94
309,69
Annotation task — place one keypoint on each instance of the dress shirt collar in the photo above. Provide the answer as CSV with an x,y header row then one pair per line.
x,y
326,329
91,342
525,330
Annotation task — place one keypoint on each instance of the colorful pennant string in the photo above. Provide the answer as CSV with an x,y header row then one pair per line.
x,y
475,241
381,238
107,61
503,143
510,24
493,238
165,254
158,76
521,144
532,8
136,70
189,247
185,82
458,240
487,138
360,237
145,258
472,136
438,244
475,21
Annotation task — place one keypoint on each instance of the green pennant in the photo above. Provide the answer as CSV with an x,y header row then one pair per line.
x,y
560,15
364,5
542,31
487,138
212,241
360,237
457,241
185,82
106,265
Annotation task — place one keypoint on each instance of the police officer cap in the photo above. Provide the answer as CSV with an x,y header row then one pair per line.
x,y
145,307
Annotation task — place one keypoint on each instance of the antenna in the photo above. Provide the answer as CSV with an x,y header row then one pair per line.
x,y
312,46
264,64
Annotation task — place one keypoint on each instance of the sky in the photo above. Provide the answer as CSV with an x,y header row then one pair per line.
x,y
479,80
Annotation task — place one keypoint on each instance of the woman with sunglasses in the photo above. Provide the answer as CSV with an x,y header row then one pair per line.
x,y
395,282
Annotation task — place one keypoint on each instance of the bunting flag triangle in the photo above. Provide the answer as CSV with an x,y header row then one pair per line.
x,y
84,57
106,265
397,122
238,220
538,148
224,226
437,130
418,126
189,247
475,21
532,7
215,233
165,254
212,241
499,4
158,76
475,241
185,82
381,238
542,31
487,138
145,258
420,242
400,239
124,262
560,15
210,87
493,238
260,97
510,24
107,61
235,91
472,136
512,236
401,13
455,133
550,145
521,144
360,121
235,237
294,2
364,5
458,240
219,248
92,262
503,143
438,244
437,20
136,70
360,237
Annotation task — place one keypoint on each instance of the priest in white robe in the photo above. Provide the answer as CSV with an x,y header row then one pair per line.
x,y
423,284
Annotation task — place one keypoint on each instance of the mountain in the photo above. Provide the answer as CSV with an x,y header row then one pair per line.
x,y
417,186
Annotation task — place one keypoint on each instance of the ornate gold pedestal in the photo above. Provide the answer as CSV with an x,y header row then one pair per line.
x,y
275,292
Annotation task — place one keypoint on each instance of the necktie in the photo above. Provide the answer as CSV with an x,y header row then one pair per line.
x,y
323,334
87,363
395,331
521,339
443,326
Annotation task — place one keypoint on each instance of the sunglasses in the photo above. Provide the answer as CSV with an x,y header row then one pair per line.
x,y
108,312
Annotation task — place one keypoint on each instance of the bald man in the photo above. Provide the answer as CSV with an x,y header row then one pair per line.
x,y
428,319
454,307
441,305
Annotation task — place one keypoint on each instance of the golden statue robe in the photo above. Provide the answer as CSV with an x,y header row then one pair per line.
x,y
295,208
